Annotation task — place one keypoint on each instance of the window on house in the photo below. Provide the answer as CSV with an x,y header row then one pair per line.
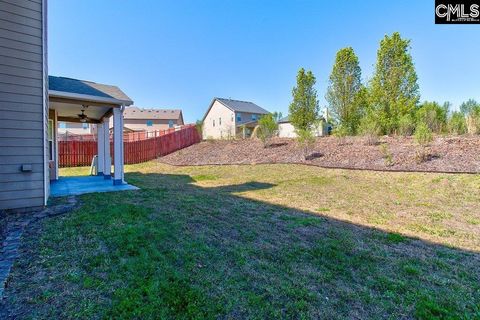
x,y
214,122
232,117
254,117
170,123
50,138
149,123
239,117
219,121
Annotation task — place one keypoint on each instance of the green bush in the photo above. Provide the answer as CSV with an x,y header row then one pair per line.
x,y
306,141
473,121
386,154
370,129
199,127
340,131
457,123
406,125
267,128
423,134
433,115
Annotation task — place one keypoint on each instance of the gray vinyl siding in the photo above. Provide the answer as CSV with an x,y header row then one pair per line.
x,y
23,104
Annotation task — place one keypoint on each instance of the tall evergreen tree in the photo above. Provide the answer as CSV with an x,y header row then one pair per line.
x,y
344,90
394,89
304,107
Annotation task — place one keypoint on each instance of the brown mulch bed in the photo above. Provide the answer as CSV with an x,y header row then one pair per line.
x,y
446,154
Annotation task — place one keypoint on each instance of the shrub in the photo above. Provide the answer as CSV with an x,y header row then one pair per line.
x,y
386,154
406,125
341,132
473,122
370,129
457,123
423,136
471,110
267,128
433,115
199,127
306,141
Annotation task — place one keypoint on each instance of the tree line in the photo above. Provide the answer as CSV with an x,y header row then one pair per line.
x,y
388,104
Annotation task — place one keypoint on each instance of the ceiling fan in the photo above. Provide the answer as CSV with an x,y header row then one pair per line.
x,y
82,116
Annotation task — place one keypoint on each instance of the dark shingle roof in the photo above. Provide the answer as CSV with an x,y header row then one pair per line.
x,y
86,87
242,106
164,114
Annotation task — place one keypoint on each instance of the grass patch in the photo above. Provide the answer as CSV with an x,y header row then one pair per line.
x,y
253,245
204,177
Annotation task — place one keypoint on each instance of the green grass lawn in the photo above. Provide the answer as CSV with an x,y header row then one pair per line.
x,y
261,241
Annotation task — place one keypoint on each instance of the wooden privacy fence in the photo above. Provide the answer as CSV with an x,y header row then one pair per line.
x,y
74,153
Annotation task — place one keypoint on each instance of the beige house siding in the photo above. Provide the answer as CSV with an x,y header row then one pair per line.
x,y
22,105
224,119
286,130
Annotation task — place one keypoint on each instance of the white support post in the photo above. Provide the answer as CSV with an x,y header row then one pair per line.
x,y
100,148
107,160
118,143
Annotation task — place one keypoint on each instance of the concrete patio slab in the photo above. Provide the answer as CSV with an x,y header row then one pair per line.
x,y
67,186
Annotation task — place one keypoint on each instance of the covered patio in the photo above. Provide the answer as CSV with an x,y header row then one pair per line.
x,y
72,100
67,186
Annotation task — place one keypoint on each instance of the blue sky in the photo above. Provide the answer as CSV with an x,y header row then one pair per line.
x,y
181,54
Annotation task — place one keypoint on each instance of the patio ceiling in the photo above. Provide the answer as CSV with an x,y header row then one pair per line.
x,y
69,111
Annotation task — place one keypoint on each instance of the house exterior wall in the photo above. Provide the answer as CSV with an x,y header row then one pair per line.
x,y
286,130
226,129
23,104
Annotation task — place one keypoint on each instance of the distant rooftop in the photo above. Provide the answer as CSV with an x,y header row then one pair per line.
x,y
242,106
141,113
76,86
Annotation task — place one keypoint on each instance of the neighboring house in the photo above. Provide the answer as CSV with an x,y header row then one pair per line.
x,y
72,128
286,129
227,118
139,119
32,104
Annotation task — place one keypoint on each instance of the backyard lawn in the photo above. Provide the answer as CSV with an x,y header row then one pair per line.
x,y
258,241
